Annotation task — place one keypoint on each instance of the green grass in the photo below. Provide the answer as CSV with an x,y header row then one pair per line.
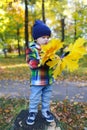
x,y
15,67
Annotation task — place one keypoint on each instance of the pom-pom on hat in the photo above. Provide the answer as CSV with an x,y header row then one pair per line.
x,y
40,29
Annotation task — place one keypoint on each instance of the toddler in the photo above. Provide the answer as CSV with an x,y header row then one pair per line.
x,y
41,76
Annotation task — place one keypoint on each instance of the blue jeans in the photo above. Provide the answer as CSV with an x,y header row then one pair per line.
x,y
37,94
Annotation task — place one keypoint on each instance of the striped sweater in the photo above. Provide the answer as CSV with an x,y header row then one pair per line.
x,y
40,75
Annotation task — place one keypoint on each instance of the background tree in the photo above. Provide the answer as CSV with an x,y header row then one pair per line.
x,y
71,15
43,11
26,24
77,20
16,22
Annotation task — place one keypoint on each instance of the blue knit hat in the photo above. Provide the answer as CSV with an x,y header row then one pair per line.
x,y
40,29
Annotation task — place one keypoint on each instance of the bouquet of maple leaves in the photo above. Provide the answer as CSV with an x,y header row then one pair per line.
x,y
69,60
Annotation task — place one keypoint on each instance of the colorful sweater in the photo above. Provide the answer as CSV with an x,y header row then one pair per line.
x,y
40,75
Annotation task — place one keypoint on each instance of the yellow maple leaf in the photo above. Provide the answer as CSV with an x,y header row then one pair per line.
x,y
53,62
57,70
58,66
77,50
49,50
70,64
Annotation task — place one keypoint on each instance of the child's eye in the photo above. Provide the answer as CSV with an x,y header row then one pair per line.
x,y
45,37
48,37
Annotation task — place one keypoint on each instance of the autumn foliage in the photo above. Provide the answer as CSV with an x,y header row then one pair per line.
x,y
70,61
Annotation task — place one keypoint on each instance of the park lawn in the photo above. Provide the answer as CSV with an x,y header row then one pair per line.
x,y
15,68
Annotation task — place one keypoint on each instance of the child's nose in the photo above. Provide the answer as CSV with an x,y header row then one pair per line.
x,y
46,38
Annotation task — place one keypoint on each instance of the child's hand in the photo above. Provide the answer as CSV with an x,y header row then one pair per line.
x,y
33,64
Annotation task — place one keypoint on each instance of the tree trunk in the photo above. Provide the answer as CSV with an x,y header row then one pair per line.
x,y
62,31
75,31
18,42
43,12
5,52
26,24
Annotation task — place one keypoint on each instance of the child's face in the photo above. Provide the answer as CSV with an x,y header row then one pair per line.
x,y
42,40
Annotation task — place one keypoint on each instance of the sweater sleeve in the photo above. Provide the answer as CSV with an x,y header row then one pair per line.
x,y
31,59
